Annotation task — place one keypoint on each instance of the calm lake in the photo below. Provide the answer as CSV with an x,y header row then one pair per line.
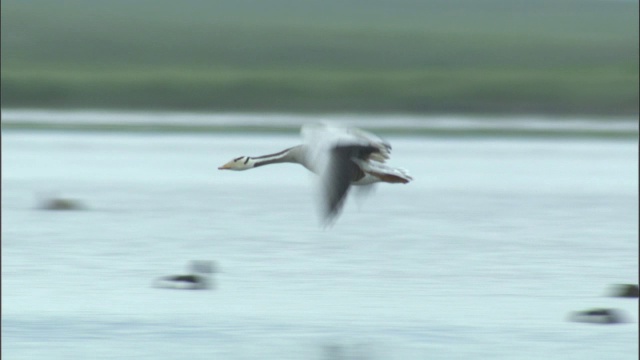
x,y
483,256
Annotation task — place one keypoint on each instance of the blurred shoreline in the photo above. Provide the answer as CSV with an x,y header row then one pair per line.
x,y
391,124
544,57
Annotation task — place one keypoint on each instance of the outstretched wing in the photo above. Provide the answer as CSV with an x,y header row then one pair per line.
x,y
319,139
341,171
334,152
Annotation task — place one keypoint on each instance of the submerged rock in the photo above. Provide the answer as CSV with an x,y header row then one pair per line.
x,y
624,290
200,279
61,204
598,316
184,282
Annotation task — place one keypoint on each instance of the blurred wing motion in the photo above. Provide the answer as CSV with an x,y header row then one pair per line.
x,y
346,156
340,156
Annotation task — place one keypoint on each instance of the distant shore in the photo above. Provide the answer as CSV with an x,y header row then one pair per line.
x,y
546,57
577,92
289,123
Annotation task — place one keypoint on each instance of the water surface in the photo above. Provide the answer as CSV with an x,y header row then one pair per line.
x,y
483,256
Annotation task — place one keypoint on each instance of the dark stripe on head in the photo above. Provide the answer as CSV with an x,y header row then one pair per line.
x,y
238,158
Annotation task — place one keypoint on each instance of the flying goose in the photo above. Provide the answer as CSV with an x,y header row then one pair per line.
x,y
340,156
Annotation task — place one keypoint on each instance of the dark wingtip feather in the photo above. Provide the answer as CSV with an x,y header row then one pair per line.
x,y
341,172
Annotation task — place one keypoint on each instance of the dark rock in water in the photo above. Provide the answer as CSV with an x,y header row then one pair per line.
x,y
185,282
200,279
598,316
61,204
624,291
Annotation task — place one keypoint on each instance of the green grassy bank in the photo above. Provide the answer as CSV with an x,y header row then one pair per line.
x,y
465,56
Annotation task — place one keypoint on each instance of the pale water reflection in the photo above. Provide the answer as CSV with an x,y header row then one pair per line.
x,y
483,256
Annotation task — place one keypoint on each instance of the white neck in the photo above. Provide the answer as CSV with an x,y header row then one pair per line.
x,y
290,155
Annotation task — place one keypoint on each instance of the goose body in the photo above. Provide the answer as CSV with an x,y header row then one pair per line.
x,y
340,156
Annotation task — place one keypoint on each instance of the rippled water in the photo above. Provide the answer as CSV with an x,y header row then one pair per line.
x,y
483,256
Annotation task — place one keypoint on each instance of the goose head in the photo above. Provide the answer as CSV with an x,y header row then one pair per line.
x,y
238,164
